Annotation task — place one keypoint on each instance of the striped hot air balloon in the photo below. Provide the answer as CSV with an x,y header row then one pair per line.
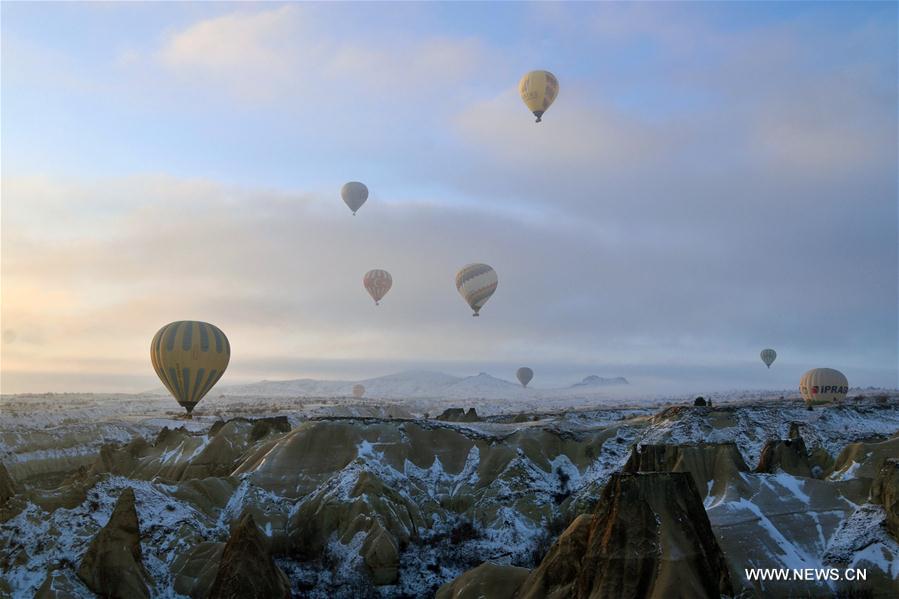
x,y
189,357
476,283
377,282
768,356
538,90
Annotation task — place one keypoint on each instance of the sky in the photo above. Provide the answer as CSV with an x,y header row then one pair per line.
x,y
713,179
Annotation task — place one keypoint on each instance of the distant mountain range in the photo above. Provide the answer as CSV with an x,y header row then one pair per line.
x,y
417,384
598,381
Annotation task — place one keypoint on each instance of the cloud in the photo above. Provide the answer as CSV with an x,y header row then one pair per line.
x,y
281,272
315,56
699,190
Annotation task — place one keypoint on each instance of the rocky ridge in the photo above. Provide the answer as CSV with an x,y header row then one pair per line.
x,y
362,506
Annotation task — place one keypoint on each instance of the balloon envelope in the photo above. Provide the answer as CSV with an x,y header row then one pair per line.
x,y
377,282
768,356
823,385
354,195
538,90
189,357
476,283
358,391
524,375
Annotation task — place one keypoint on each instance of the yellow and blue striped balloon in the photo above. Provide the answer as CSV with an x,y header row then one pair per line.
x,y
189,357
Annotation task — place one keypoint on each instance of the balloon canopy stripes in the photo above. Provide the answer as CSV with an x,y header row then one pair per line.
x,y
189,357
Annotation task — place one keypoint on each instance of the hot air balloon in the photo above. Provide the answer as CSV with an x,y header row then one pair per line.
x,y
538,89
189,357
354,195
768,357
476,283
524,375
823,385
377,282
358,391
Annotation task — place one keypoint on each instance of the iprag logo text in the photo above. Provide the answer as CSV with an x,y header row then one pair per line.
x,y
829,389
807,574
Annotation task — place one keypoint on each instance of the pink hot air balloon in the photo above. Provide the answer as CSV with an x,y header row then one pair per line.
x,y
377,282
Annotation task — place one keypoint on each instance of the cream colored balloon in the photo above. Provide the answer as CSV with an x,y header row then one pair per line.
x,y
538,90
476,283
358,391
823,385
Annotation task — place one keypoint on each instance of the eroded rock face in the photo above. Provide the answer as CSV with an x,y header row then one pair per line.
x,y
381,555
112,566
194,571
487,580
60,584
787,455
263,427
386,518
460,415
417,502
885,491
863,460
712,465
650,537
178,454
557,574
246,569
7,485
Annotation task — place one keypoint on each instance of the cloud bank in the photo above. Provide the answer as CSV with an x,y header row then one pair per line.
x,y
699,191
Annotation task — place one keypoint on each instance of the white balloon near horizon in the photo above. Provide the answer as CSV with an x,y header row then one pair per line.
x,y
823,385
524,375
354,195
768,356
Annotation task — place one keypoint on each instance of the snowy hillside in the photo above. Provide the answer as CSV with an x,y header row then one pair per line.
x,y
397,506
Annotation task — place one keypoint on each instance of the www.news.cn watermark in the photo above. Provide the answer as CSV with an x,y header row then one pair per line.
x,y
809,574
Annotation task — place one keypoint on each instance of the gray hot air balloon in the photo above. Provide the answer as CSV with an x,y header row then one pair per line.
x,y
476,283
768,356
823,385
524,375
354,195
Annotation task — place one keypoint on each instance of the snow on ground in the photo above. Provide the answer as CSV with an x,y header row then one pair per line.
x,y
63,536
750,425
48,427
